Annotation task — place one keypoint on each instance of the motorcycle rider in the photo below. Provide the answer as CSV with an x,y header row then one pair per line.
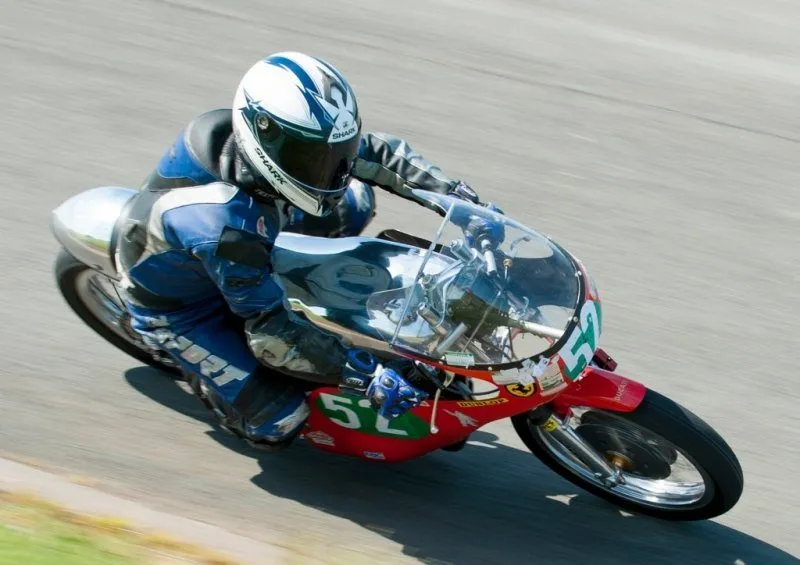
x,y
194,244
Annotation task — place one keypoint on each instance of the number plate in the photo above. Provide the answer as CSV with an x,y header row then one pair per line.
x,y
355,413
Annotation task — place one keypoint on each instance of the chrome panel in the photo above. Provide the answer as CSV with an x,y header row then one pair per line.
x,y
352,338
330,280
84,225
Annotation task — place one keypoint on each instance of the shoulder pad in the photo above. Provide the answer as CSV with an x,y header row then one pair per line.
x,y
244,247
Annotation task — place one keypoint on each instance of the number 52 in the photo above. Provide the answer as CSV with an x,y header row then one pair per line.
x,y
347,414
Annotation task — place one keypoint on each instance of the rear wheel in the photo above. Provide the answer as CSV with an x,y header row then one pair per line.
x,y
670,464
94,298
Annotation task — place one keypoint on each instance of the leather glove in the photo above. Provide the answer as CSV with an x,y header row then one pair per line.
x,y
481,229
477,228
465,192
392,395
388,392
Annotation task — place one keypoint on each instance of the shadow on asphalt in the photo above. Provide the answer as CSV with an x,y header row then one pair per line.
x,y
489,503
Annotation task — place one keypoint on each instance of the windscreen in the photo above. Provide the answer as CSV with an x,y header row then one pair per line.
x,y
499,292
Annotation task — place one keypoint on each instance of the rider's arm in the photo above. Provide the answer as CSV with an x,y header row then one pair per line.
x,y
231,236
390,163
227,239
238,263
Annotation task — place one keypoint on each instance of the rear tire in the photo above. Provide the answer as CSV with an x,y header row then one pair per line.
x,y
694,439
67,272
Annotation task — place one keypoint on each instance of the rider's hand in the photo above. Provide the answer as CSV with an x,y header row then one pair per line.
x,y
359,370
481,229
464,191
391,395
478,228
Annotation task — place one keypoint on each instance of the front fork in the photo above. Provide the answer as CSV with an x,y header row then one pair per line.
x,y
598,388
543,418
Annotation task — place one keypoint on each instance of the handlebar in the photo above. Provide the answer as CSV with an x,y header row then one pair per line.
x,y
541,330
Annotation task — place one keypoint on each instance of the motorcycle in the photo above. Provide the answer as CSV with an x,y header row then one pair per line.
x,y
497,327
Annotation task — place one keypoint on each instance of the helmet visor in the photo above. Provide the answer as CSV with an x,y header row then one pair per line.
x,y
315,164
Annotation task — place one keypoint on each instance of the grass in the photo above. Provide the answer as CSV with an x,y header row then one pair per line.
x,y
33,532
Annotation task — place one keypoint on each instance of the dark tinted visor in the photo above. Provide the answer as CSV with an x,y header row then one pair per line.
x,y
313,163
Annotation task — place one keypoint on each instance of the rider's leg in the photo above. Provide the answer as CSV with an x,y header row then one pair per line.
x,y
263,406
293,346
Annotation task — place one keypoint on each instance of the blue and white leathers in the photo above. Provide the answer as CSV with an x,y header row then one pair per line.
x,y
181,291
193,249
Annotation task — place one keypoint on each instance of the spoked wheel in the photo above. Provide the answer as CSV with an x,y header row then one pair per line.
x,y
94,298
663,460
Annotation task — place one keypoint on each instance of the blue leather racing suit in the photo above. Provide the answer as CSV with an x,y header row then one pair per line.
x,y
193,250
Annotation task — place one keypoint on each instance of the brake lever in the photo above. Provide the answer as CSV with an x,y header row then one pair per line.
x,y
440,386
445,384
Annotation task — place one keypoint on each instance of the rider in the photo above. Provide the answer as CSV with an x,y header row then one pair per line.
x,y
194,244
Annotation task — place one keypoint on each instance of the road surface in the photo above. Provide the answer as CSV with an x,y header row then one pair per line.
x,y
658,141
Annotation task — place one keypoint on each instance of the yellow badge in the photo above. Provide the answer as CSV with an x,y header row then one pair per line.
x,y
521,390
550,425
476,403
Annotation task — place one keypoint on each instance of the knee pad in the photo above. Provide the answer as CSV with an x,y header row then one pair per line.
x,y
286,344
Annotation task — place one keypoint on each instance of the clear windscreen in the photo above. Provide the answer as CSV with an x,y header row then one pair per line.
x,y
489,291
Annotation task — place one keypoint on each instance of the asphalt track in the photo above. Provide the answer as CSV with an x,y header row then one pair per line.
x,y
659,141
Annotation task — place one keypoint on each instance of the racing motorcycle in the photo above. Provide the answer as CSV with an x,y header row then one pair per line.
x,y
497,326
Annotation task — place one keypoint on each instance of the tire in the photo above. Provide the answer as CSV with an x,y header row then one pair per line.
x,y
692,437
67,272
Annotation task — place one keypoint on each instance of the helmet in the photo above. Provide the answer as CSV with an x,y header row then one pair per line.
x,y
296,124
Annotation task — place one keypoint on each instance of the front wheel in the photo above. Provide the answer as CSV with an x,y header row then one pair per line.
x,y
94,298
670,464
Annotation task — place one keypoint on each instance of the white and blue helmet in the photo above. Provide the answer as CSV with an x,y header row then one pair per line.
x,y
296,122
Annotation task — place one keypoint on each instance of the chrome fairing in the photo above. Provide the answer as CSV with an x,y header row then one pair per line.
x,y
84,225
330,280
511,296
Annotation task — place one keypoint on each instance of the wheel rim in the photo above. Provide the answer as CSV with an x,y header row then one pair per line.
x,y
652,470
100,296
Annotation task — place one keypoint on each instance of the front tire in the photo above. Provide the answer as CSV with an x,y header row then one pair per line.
x,y
645,445
91,296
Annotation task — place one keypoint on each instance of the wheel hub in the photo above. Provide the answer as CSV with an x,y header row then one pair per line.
x,y
626,451
619,461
